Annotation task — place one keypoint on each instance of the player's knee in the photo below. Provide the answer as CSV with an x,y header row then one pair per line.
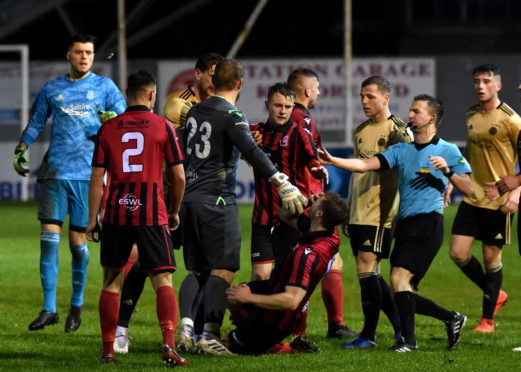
x,y
338,264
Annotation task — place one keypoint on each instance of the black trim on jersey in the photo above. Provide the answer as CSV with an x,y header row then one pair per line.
x,y
433,141
301,267
117,206
302,107
399,122
155,205
187,93
312,235
384,164
143,211
284,128
128,212
173,145
137,108
506,109
291,157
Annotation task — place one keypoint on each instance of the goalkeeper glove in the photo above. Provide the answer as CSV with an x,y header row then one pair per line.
x,y
292,199
20,161
106,115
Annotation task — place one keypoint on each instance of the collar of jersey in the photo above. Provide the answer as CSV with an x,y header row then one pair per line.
x,y
226,99
433,141
137,108
302,107
312,235
284,128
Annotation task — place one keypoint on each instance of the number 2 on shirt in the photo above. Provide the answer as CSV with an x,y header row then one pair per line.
x,y
133,151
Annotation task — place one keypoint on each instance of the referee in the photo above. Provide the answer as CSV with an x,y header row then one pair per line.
x,y
425,168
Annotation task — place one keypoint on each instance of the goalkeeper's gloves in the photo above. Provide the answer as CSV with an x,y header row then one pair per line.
x,y
292,199
20,161
106,115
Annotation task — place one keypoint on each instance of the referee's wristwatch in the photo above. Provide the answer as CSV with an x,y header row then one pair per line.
x,y
449,174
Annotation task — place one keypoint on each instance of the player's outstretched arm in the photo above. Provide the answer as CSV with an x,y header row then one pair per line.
x,y
292,199
352,165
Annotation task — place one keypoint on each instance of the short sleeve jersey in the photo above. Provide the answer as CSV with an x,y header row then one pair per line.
x,y
373,196
132,148
73,107
302,116
290,147
185,93
215,133
309,261
421,186
492,144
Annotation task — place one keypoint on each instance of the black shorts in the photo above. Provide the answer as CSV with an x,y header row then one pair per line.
x,y
418,240
284,238
154,244
253,335
375,239
262,250
490,226
211,237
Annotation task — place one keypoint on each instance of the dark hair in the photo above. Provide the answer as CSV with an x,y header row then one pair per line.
x,y
227,74
490,68
206,61
434,103
81,38
335,210
281,88
382,83
138,81
296,74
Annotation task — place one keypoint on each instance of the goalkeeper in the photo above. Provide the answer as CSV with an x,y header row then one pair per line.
x,y
216,133
73,101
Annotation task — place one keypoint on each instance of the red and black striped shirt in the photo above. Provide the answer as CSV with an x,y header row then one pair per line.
x,y
292,151
309,261
302,116
132,148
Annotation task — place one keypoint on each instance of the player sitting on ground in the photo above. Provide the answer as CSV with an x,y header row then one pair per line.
x,y
270,309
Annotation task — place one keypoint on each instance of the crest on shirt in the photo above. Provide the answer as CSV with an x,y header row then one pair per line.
x,y
284,141
90,95
492,130
130,202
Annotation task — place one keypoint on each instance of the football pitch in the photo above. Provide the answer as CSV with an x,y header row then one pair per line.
x,y
52,349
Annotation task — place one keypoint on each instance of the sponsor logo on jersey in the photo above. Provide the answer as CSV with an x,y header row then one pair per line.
x,y
77,110
284,141
130,201
308,250
59,98
90,95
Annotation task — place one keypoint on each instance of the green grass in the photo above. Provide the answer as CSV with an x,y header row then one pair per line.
x,y
52,349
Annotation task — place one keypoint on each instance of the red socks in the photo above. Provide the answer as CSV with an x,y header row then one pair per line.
x,y
108,315
166,305
333,296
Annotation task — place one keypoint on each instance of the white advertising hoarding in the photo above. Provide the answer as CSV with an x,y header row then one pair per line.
x,y
408,77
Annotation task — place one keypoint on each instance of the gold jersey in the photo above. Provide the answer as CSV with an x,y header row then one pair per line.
x,y
373,196
491,149
177,105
